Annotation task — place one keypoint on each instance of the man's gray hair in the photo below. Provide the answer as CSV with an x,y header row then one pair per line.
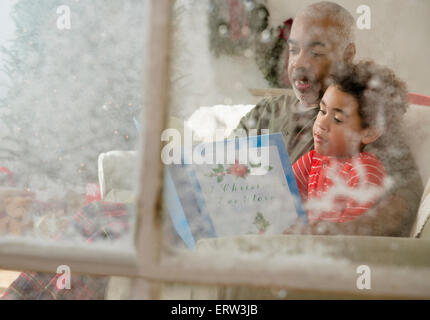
x,y
334,12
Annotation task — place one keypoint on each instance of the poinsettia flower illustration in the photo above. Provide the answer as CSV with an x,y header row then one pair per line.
x,y
238,170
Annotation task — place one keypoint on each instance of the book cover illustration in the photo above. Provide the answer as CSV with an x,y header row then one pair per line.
x,y
216,200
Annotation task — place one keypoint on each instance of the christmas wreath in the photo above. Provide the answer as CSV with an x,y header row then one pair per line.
x,y
240,25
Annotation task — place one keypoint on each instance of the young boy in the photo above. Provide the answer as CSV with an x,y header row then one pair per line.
x,y
337,180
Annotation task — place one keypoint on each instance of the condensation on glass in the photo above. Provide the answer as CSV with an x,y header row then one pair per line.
x,y
71,124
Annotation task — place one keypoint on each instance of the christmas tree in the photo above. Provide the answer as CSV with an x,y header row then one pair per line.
x,y
74,92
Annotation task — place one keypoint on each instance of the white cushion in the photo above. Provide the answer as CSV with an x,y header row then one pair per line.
x,y
423,213
117,170
417,133
205,120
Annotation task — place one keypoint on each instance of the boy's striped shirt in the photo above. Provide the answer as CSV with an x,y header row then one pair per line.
x,y
316,176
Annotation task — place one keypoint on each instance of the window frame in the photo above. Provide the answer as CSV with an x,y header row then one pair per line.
x,y
192,270
145,264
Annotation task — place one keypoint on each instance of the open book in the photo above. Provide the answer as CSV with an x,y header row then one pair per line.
x,y
253,194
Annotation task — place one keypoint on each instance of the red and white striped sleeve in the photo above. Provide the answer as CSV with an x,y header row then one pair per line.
x,y
373,174
302,169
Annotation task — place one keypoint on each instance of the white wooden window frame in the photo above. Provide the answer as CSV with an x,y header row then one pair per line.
x,y
145,264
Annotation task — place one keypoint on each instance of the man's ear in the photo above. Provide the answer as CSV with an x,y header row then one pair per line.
x,y
370,135
349,53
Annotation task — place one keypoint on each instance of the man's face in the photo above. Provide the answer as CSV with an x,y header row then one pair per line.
x,y
337,129
314,46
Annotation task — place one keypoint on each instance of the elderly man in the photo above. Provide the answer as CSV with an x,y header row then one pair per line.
x,y
322,37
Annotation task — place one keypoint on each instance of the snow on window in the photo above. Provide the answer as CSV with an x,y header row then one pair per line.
x,y
74,72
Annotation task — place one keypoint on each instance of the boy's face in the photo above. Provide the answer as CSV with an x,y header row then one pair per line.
x,y
337,130
314,45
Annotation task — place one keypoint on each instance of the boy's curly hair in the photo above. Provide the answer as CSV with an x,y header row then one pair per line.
x,y
382,97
